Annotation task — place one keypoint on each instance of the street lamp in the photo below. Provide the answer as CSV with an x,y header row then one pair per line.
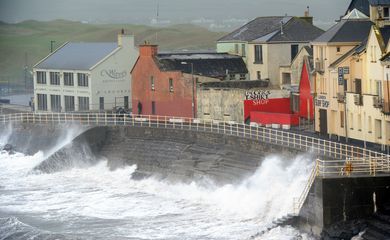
x,y
193,87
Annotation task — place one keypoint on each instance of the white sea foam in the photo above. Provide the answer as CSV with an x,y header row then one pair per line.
x,y
100,203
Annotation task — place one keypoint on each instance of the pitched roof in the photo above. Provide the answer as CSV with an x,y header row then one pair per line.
x,y
355,14
356,50
77,56
347,30
385,33
206,64
386,57
268,29
296,30
361,5
379,2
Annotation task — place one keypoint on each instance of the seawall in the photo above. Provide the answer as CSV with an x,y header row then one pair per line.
x,y
172,154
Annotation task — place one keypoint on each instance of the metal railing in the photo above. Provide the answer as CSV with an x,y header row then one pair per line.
x,y
354,167
318,146
298,202
343,168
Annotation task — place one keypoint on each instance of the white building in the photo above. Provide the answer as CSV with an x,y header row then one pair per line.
x,y
92,76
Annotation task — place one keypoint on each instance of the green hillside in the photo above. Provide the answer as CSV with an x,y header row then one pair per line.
x,y
29,41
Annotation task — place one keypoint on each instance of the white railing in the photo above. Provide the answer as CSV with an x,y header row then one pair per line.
x,y
298,202
318,146
353,167
346,168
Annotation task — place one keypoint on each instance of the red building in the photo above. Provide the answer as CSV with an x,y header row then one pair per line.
x,y
165,83
284,111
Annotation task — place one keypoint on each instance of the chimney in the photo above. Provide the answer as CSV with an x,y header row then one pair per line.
x,y
281,27
307,16
125,40
148,50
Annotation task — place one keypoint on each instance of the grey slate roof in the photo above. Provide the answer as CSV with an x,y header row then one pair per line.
x,y
205,64
77,56
268,29
379,2
351,30
361,5
386,57
385,32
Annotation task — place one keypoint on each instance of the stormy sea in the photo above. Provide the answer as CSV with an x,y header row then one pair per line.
x,y
91,201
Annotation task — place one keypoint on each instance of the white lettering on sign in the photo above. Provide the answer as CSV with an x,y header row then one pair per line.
x,y
257,95
260,102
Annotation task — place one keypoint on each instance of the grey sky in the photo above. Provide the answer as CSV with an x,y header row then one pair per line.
x,y
138,11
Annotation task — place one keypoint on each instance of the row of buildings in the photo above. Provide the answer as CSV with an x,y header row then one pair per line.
x,y
272,71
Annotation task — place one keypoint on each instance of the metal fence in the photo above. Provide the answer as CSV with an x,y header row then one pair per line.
x,y
349,167
318,146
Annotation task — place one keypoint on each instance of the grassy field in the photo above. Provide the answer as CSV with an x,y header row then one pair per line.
x,y
24,44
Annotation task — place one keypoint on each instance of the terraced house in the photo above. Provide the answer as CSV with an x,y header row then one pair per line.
x,y
89,76
266,43
352,72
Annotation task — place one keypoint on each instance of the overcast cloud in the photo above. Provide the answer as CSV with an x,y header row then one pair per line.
x,y
178,11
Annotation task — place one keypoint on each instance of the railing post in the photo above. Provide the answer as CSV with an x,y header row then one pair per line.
x,y
105,118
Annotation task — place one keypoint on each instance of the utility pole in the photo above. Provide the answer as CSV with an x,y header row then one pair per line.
x,y
25,72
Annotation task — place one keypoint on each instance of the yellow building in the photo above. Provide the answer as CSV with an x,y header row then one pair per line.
x,y
353,95
340,39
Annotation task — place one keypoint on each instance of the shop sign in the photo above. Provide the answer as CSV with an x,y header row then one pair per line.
x,y
257,95
321,101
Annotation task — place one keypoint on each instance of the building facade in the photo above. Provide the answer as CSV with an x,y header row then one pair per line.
x,y
266,43
85,77
166,83
327,49
351,92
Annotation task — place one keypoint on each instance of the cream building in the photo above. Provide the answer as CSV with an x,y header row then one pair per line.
x,y
85,76
340,39
266,43
355,96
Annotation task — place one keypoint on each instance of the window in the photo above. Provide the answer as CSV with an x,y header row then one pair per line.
x,y
341,119
232,76
236,48
82,80
359,122
294,51
83,103
69,103
243,50
379,89
258,54
41,77
386,13
126,102
170,85
42,102
369,124
258,75
358,86
55,101
242,76
101,103
54,78
152,83
68,79
351,121
153,107
338,49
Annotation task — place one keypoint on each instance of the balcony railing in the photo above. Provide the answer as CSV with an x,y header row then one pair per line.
x,y
358,99
341,97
